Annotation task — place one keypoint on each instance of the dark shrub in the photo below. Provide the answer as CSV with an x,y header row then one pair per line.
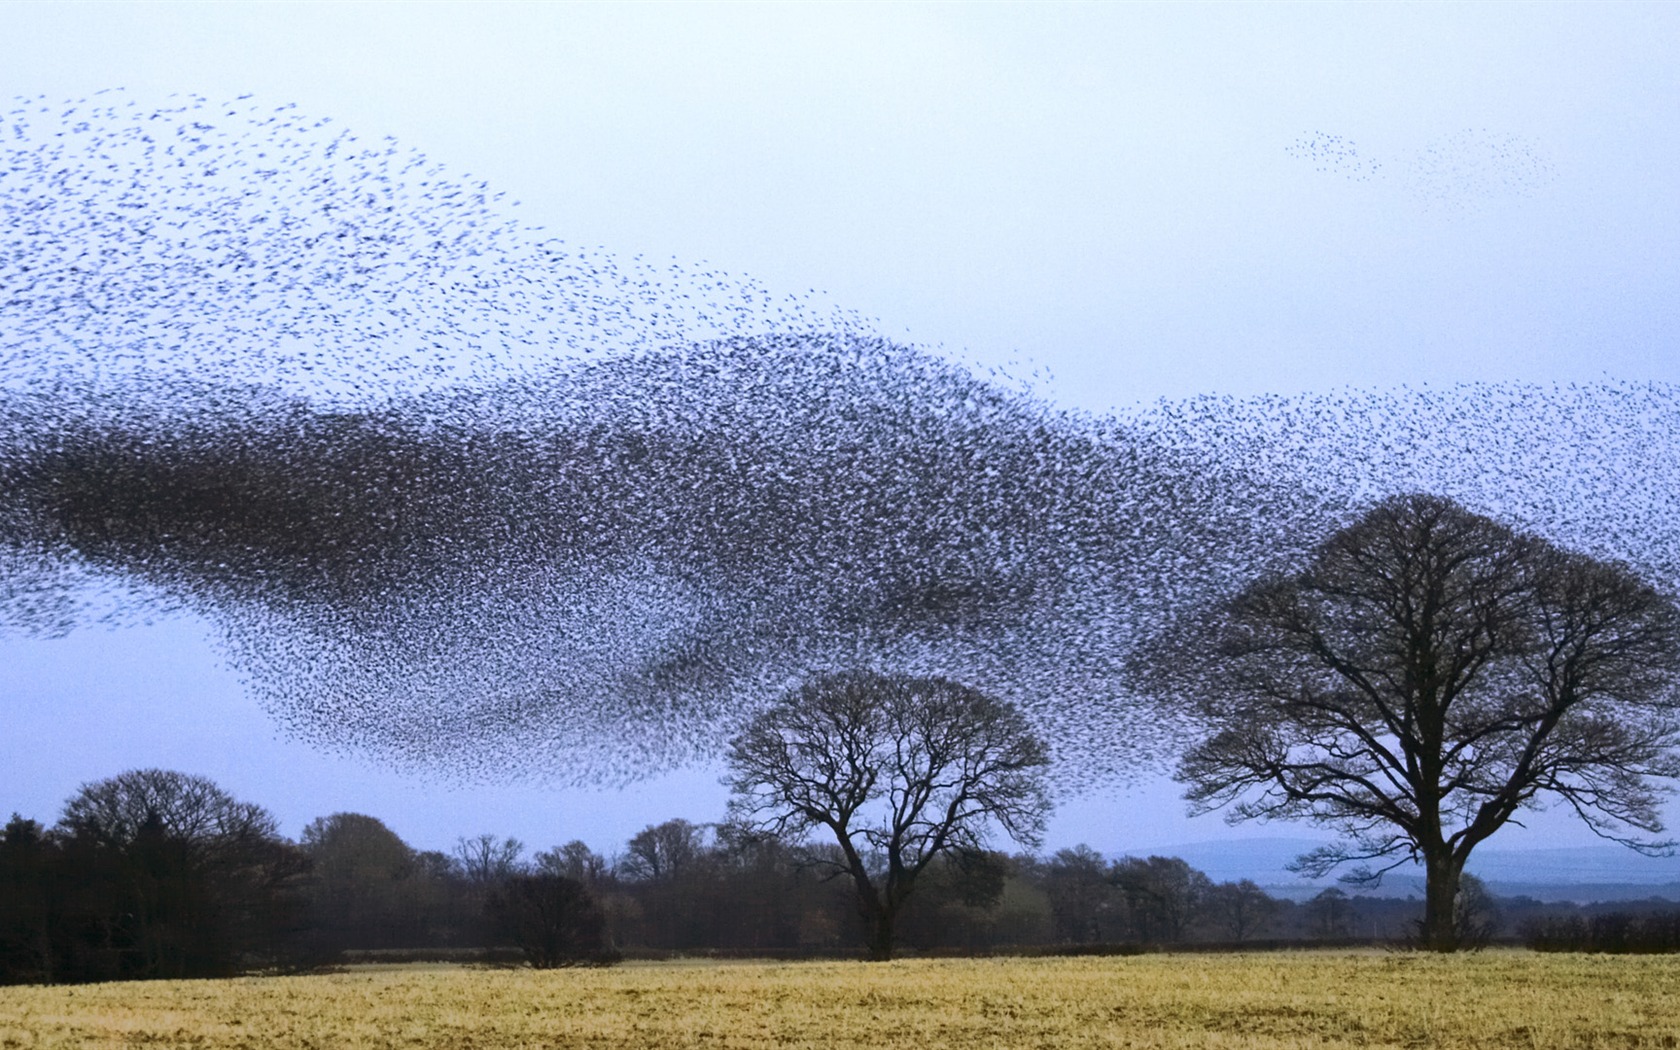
x,y
554,920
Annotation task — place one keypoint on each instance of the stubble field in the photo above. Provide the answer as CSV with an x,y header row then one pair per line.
x,y
1319,999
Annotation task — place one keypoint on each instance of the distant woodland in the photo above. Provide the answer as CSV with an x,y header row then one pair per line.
x,y
157,875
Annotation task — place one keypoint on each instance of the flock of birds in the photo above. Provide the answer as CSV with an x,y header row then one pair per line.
x,y
1457,173
1334,155
467,499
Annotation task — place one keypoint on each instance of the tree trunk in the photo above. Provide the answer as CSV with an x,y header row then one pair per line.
x,y
1440,907
878,929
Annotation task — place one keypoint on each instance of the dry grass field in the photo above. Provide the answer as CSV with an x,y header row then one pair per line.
x,y
1317,999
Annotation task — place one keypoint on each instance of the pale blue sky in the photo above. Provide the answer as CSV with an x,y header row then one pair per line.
x,y
1128,195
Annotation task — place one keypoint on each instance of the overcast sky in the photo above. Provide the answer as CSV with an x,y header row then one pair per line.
x,y
1146,201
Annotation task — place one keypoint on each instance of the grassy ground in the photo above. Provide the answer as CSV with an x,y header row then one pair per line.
x,y
1318,999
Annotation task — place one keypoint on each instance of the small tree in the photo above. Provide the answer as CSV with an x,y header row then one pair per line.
x,y
364,883
553,919
1429,674
575,860
1240,909
1476,917
1329,915
668,869
661,852
1084,901
1163,896
486,860
899,770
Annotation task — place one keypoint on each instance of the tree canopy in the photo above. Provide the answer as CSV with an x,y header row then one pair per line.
x,y
1427,676
898,769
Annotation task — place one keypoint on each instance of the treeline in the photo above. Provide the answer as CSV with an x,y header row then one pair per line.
x,y
155,875
1643,928
150,874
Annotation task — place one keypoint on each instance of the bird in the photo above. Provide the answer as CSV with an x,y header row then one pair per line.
x,y
462,497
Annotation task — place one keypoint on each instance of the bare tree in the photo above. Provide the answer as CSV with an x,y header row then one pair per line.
x,y
575,860
1163,896
189,808
553,919
1241,908
1083,899
1426,677
364,891
351,847
898,769
663,851
486,859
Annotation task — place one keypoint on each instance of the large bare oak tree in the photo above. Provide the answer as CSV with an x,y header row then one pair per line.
x,y
1427,676
898,769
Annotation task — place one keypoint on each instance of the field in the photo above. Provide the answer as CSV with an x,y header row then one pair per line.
x,y
1319,999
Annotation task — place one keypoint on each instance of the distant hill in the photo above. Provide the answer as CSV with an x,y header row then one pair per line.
x,y
1580,873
